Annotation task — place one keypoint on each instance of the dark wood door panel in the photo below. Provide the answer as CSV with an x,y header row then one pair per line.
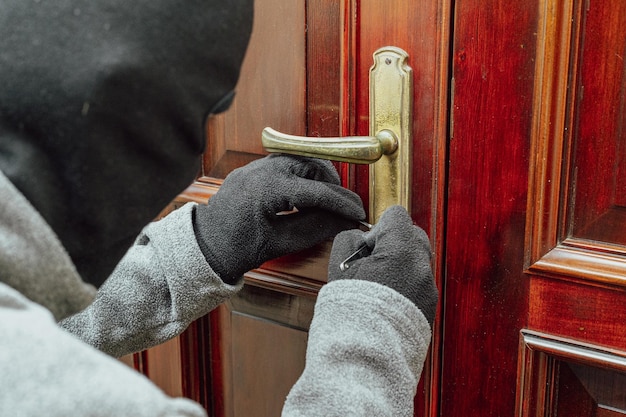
x,y
534,157
267,356
267,360
598,137
256,343
486,292
575,254
563,377
588,313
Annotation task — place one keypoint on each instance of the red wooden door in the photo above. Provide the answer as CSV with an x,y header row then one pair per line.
x,y
533,316
518,177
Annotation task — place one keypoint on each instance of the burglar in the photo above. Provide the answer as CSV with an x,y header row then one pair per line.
x,y
102,111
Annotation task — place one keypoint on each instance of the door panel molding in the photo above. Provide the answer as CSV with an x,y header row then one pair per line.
x,y
552,248
544,386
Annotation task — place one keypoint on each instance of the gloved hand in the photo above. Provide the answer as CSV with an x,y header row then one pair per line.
x,y
239,228
399,257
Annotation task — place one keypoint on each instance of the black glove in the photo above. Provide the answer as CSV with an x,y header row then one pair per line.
x,y
397,255
239,228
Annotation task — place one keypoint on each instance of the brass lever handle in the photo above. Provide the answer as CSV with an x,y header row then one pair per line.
x,y
389,147
354,149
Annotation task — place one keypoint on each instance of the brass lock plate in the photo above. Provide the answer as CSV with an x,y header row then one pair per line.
x,y
391,102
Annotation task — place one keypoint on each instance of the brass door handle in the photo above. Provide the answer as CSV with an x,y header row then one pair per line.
x,y
354,149
389,146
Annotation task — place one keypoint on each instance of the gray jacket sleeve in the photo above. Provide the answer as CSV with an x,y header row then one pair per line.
x,y
161,285
46,371
366,349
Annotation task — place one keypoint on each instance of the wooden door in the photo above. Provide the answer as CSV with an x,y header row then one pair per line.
x,y
535,260
518,177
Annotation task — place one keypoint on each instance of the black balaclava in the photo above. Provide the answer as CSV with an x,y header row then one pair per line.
x,y
102,109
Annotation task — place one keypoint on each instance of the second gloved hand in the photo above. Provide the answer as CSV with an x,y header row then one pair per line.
x,y
399,258
239,228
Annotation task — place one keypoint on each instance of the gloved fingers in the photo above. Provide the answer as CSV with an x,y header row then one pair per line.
x,y
403,238
302,182
279,183
308,227
301,230
394,224
314,169
393,218
395,235
346,243
293,165
305,194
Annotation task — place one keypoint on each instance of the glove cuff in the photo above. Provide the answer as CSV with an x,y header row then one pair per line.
x,y
208,244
